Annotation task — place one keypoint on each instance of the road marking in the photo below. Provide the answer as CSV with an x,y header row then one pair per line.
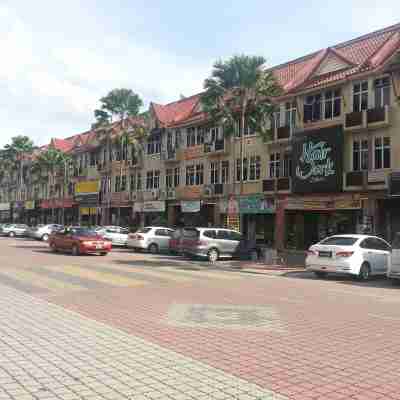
x,y
104,277
146,271
41,281
203,273
384,317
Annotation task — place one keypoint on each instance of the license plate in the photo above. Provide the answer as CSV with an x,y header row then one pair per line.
x,y
326,254
99,246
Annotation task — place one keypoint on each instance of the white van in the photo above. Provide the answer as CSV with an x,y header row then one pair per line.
x,y
394,259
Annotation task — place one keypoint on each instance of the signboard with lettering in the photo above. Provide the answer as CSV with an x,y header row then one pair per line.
x,y
190,206
154,206
318,161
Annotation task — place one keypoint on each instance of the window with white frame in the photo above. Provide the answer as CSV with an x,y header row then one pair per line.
x,y
382,92
139,181
154,145
274,165
199,174
360,155
191,137
238,128
382,152
290,114
277,118
212,134
225,171
170,141
325,105
249,169
190,175
123,183
360,96
132,182
169,177
177,176
287,165
153,179
200,135
214,172
117,186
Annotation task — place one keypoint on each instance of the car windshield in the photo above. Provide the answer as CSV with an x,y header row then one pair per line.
x,y
144,230
83,232
191,233
339,241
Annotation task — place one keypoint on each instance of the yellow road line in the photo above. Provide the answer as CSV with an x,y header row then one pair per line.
x,y
103,277
39,280
146,271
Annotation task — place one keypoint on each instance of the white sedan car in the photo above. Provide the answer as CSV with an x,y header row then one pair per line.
x,y
359,255
116,234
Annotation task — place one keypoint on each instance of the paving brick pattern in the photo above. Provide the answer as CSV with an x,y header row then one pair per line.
x,y
47,352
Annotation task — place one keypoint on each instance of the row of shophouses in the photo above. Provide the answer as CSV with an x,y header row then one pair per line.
x,y
330,166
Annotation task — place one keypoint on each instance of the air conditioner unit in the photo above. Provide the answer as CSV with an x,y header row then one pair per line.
x,y
155,194
171,194
208,190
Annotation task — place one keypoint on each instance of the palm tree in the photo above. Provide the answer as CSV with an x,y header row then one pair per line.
x,y
53,160
240,86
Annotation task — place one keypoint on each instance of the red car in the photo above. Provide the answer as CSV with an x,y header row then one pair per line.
x,y
79,241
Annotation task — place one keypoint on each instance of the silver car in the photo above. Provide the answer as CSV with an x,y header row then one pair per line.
x,y
13,230
151,238
42,232
211,243
116,234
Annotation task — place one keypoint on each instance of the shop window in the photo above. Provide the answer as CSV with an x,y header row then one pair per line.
x,y
382,152
225,171
382,92
274,165
360,155
360,96
169,177
199,174
190,175
214,172
177,175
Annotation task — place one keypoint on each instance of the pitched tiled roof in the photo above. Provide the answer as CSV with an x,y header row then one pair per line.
x,y
176,111
362,54
64,145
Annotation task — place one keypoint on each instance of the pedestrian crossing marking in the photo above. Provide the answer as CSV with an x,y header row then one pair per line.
x,y
146,271
40,281
103,277
203,273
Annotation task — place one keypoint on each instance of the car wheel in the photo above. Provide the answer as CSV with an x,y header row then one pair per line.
x,y
365,272
11,234
320,274
75,250
212,255
53,248
45,237
153,248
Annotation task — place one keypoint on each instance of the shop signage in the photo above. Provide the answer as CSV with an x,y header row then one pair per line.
x,y
30,205
190,206
45,204
154,206
88,210
4,206
256,205
138,207
120,199
5,215
317,159
18,204
88,199
87,187
323,204
394,184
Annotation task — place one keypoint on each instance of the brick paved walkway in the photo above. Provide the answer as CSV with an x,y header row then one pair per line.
x,y
47,352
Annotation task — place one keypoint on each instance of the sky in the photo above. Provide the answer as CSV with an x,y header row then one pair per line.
x,y
58,58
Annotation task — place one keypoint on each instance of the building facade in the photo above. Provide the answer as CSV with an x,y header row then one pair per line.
x,y
329,166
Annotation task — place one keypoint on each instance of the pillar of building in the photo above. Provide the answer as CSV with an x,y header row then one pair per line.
x,y
171,217
280,227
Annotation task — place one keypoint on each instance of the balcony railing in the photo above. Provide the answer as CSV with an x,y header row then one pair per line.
x,y
283,184
354,119
283,132
269,185
355,178
371,118
376,115
216,146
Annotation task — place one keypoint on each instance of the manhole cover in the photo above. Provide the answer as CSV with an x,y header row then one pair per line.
x,y
225,316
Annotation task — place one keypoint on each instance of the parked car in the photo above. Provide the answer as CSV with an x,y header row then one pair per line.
x,y
43,232
358,255
212,243
79,241
13,230
175,242
151,238
117,234
393,272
